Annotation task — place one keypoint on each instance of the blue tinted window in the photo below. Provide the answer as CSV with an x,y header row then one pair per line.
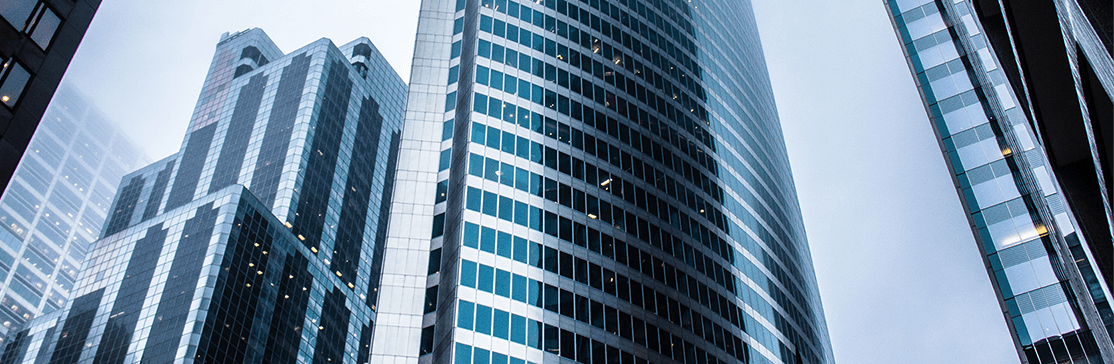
x,y
483,322
496,78
520,213
500,324
485,278
450,101
519,290
447,129
491,171
490,201
497,358
475,165
479,132
504,246
464,315
485,49
510,84
493,138
446,158
468,274
471,234
518,329
480,106
520,245
508,143
454,74
502,283
474,198
485,23
506,208
482,74
487,240
482,356
522,178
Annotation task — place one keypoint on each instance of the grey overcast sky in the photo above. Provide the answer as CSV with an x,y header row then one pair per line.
x,y
899,272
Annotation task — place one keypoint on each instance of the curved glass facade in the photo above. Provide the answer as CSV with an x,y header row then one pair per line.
x,y
596,182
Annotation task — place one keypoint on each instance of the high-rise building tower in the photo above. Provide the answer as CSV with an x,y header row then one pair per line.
x,y
56,204
37,40
597,181
256,241
1034,203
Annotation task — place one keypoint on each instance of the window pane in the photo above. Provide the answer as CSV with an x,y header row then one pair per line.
x,y
14,84
16,12
44,32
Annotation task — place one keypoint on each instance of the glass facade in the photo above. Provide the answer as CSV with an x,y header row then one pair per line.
x,y
56,204
258,241
1055,303
595,182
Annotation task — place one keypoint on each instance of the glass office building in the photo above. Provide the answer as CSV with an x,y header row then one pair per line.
x,y
40,38
256,242
56,203
1043,265
594,182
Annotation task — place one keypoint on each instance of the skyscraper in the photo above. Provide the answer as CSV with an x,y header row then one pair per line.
x,y
37,40
56,204
598,182
1026,157
256,241
1059,60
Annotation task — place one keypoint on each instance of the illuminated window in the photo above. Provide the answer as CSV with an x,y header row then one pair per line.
x,y
13,79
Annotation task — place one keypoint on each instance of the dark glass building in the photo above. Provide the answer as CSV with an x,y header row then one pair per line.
x,y
56,204
38,39
1019,96
594,182
256,242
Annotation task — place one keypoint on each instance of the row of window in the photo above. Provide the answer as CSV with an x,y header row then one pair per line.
x,y
565,229
591,19
587,172
584,141
561,100
619,106
552,339
599,70
584,62
532,292
561,53
778,249
620,131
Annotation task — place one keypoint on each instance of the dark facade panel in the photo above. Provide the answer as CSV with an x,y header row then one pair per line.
x,y
239,132
129,300
276,139
177,294
157,191
189,170
313,200
357,192
76,330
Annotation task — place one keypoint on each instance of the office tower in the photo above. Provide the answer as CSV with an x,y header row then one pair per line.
x,y
1057,56
56,203
37,40
256,241
594,182
1045,261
